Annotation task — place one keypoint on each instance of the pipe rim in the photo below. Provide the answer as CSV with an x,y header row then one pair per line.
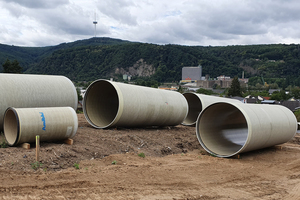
x,y
195,106
6,127
75,93
90,113
245,139
75,118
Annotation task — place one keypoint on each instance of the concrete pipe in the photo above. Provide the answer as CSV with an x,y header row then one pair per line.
x,y
198,102
107,104
51,124
226,129
25,91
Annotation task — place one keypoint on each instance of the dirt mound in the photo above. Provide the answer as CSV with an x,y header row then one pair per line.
x,y
104,164
91,143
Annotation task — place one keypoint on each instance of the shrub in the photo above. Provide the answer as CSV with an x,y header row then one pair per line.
x,y
141,155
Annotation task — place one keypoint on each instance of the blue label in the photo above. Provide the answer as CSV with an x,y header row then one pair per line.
x,y
43,120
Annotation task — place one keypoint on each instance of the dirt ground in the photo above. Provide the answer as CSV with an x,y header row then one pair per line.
x,y
175,167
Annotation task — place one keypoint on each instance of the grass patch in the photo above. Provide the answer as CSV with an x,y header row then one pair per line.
x,y
76,165
36,165
3,143
142,155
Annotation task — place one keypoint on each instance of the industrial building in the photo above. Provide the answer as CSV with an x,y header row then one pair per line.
x,y
192,73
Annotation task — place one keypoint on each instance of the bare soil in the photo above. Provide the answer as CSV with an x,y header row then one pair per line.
x,y
175,167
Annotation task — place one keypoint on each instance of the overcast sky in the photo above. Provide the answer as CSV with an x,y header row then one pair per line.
x,y
185,22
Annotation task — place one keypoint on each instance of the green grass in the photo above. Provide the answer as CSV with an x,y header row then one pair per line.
x,y
76,166
114,162
3,143
36,165
142,155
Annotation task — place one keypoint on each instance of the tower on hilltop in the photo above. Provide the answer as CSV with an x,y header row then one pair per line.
x,y
95,22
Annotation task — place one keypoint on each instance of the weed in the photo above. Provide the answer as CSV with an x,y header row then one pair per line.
x,y
142,155
45,169
36,165
76,166
182,154
3,144
12,163
114,162
79,111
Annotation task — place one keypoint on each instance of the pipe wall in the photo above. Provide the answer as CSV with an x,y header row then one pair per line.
x,y
226,129
51,124
25,91
107,104
198,102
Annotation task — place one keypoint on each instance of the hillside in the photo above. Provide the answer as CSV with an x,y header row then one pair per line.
x,y
95,58
29,57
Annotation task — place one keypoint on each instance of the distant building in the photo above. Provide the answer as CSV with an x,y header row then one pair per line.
x,y
168,88
291,104
223,78
192,73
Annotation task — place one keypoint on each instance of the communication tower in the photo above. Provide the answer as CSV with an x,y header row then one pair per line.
x,y
95,22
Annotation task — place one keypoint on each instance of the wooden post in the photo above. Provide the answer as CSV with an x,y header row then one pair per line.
x,y
37,146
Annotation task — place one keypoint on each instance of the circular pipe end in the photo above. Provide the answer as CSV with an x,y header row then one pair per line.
x,y
222,129
11,126
194,109
101,104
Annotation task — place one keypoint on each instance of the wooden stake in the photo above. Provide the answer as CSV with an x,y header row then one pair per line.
x,y
37,146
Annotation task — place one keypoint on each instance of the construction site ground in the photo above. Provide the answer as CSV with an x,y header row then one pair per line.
x,y
107,164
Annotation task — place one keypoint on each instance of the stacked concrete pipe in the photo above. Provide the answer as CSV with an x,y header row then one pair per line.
x,y
108,104
198,102
23,124
27,91
225,129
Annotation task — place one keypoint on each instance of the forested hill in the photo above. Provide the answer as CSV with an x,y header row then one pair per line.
x,y
95,58
29,57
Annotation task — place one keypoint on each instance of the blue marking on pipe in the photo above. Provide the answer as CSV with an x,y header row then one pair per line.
x,y
43,120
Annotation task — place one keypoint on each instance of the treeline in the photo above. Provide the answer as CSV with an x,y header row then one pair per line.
x,y
29,57
87,60
92,62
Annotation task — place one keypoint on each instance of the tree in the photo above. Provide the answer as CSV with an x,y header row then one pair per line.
x,y
12,67
235,88
204,91
278,96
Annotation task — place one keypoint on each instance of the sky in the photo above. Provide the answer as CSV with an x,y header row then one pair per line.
x,y
38,23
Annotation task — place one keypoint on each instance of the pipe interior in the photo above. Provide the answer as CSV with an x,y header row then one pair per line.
x,y
11,127
195,107
101,103
222,129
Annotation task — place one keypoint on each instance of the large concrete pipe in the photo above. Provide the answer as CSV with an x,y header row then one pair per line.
x,y
50,123
198,102
107,104
25,91
226,129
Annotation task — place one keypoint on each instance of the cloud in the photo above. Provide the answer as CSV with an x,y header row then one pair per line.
x,y
46,4
187,22
118,10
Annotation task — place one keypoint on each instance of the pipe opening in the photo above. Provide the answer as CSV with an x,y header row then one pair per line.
x,y
195,107
11,126
222,129
101,103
